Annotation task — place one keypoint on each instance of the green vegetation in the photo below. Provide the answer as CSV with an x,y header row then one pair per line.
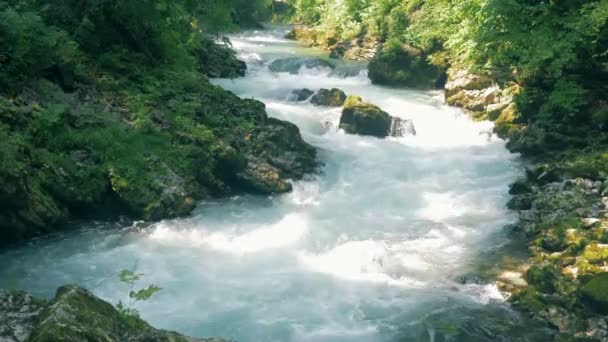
x,y
105,110
130,278
75,314
555,52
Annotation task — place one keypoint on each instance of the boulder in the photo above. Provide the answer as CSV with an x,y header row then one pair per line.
x,y
18,314
404,65
294,64
276,153
329,97
595,292
75,315
364,118
302,94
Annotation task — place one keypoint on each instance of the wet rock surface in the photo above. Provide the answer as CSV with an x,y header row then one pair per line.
x,y
329,97
302,94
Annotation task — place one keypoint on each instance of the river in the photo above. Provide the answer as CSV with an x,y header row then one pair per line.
x,y
384,244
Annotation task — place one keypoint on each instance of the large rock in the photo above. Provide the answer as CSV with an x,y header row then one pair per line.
x,y
595,292
329,97
293,65
75,315
275,154
403,65
18,314
364,118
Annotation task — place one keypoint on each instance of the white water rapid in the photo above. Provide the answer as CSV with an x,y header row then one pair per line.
x,y
370,249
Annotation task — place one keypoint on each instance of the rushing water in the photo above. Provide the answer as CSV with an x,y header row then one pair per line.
x,y
374,248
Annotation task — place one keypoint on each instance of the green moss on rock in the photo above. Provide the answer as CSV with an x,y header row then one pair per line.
x,y
364,118
77,315
329,97
404,65
595,292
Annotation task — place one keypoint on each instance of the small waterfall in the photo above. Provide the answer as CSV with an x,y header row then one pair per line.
x,y
401,127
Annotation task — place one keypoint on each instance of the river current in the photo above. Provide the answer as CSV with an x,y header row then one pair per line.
x,y
383,244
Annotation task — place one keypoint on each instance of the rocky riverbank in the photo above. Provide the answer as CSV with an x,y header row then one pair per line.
x,y
75,314
562,202
110,146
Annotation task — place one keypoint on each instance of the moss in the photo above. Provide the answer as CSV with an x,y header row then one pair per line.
x,y
77,315
529,300
595,292
542,278
507,124
595,253
364,118
329,97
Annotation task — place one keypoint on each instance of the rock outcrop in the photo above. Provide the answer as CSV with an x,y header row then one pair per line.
x,y
74,315
151,154
485,100
293,65
329,97
364,118
361,48
219,60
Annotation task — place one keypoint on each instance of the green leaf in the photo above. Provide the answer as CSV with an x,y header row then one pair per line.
x,y
127,276
144,294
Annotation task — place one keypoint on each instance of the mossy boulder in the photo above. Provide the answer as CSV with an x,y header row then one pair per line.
x,y
364,118
18,315
76,315
595,292
293,65
596,253
404,65
520,202
543,278
329,97
218,60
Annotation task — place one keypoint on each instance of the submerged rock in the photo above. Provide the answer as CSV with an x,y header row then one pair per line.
x,y
401,127
302,94
294,64
75,315
329,97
